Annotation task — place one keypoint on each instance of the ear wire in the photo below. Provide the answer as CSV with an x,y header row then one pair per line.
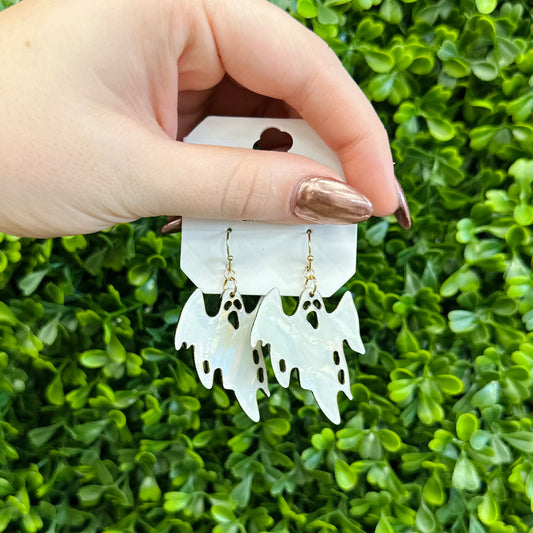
x,y
309,272
229,274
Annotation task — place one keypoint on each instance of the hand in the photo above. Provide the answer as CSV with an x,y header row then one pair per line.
x,y
96,93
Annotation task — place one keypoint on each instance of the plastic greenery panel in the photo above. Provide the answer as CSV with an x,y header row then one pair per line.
x,y
104,427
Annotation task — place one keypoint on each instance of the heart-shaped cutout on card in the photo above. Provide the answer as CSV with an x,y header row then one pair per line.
x,y
274,140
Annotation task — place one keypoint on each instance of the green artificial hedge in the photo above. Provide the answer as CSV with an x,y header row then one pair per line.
x,y
104,427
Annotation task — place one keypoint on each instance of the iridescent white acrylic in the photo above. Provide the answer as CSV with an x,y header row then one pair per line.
x,y
223,342
311,340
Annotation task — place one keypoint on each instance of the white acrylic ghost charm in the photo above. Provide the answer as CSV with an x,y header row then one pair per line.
x,y
223,342
311,341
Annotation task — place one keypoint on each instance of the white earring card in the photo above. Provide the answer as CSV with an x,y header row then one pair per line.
x,y
269,260
266,255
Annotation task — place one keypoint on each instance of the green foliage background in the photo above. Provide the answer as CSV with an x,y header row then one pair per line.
x,y
104,427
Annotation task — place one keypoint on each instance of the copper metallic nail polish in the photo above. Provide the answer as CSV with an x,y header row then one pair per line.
x,y
402,213
172,226
324,200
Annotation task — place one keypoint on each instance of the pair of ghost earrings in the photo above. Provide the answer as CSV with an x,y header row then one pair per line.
x,y
310,340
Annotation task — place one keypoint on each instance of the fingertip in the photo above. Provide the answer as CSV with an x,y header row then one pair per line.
x,y
402,214
172,226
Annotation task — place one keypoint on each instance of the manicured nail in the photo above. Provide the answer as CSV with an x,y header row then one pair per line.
x,y
402,213
172,226
327,201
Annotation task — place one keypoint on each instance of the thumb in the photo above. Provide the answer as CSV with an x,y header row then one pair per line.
x,y
243,184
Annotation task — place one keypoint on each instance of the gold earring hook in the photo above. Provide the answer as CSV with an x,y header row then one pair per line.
x,y
229,274
228,255
309,272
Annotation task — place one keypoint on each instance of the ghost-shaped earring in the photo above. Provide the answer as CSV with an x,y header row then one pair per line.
x,y
223,342
310,340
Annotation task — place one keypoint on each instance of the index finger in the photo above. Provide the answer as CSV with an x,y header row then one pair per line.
x,y
270,53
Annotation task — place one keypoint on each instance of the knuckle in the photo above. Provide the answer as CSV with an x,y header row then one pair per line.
x,y
368,136
247,191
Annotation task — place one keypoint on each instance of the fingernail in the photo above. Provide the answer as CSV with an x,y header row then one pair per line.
x,y
328,201
172,226
402,214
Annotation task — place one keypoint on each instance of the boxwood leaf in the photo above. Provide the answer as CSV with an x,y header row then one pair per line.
x,y
6,315
94,358
475,526
379,61
485,70
222,514
29,283
277,426
440,129
242,491
326,15
523,214
466,425
465,476
383,526
147,293
6,514
488,396
486,6
149,490
176,501
449,384
307,8
54,391
391,11
89,431
40,436
345,475
479,439
90,495
488,510
521,440
425,519
433,491
380,88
